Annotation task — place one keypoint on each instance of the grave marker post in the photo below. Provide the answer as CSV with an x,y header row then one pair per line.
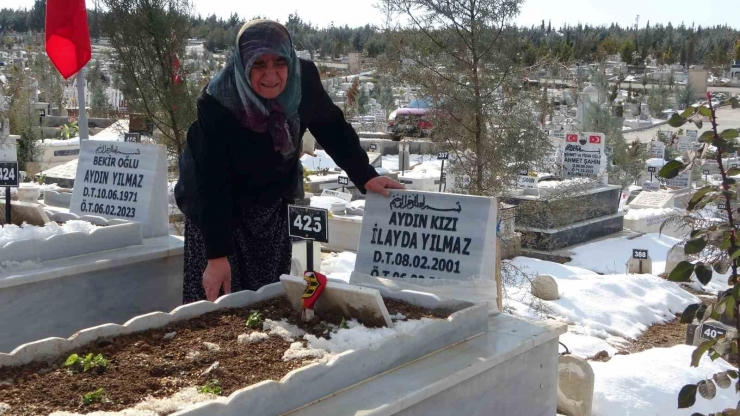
x,y
442,156
309,224
344,181
652,169
9,175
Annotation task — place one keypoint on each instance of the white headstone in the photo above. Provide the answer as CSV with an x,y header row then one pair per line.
x,y
653,200
679,182
657,149
527,181
341,195
651,186
693,135
425,235
583,155
123,180
685,144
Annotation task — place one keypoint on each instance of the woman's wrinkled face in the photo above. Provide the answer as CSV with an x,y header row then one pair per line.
x,y
268,75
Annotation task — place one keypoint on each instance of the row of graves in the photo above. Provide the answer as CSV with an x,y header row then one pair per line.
x,y
423,306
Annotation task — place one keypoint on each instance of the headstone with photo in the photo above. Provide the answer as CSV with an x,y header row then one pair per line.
x,y
583,155
426,235
123,180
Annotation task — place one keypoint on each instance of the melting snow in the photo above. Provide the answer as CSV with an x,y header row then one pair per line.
x,y
13,232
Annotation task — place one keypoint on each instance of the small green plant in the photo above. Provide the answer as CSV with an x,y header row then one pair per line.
x,y
93,396
343,324
211,387
75,363
255,320
69,131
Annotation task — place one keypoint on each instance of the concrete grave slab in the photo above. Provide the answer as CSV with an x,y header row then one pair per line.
x,y
28,212
653,200
361,303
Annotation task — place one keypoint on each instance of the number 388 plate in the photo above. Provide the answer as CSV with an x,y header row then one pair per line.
x,y
308,223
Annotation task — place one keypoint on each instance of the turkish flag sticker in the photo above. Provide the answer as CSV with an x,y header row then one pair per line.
x,y
594,139
573,138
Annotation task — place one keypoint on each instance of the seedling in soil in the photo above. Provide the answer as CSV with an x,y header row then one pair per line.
x,y
212,387
343,324
75,363
255,320
93,396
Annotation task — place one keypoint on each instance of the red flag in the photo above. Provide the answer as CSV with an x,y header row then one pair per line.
x,y
67,35
594,139
571,138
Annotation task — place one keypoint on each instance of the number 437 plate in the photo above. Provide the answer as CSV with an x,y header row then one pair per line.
x,y
308,223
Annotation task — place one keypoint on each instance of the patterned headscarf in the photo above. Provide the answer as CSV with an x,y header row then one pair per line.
x,y
232,88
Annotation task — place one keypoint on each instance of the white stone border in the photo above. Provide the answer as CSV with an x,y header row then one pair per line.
x,y
111,234
300,386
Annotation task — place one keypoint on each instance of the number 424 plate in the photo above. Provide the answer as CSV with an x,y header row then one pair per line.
x,y
308,223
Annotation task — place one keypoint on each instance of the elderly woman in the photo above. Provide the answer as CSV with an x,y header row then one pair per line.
x,y
241,166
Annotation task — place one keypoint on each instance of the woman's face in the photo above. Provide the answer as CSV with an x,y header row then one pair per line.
x,y
268,75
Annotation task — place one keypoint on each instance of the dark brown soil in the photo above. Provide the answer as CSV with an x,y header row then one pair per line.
x,y
146,364
660,336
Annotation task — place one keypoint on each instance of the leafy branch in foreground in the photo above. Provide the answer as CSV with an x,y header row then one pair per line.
x,y
714,243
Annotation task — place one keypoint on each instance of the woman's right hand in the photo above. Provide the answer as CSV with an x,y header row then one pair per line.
x,y
217,274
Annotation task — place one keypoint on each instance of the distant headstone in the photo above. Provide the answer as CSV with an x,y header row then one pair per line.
x,y
424,235
583,155
651,186
664,136
675,255
341,195
681,181
693,135
123,180
685,144
527,180
657,149
653,200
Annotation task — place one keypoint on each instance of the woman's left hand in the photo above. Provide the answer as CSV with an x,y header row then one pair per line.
x,y
381,185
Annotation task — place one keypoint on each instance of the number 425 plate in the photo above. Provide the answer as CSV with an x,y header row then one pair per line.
x,y
308,223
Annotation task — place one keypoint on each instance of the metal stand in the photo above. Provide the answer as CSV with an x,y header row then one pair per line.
x,y
7,205
441,175
309,255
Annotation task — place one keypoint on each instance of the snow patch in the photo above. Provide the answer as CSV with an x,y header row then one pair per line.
x,y
283,329
644,213
647,383
211,346
13,232
157,407
298,352
359,337
339,266
252,338
610,256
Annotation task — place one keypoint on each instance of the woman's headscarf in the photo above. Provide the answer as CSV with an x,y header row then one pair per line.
x,y
232,88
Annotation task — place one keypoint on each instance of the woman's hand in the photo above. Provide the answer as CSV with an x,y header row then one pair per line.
x,y
217,274
381,185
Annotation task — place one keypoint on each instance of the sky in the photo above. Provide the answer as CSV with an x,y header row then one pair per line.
x,y
594,12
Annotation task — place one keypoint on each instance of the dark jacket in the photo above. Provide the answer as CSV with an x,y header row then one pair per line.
x,y
226,167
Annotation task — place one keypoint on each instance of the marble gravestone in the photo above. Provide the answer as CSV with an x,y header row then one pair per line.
x,y
681,181
657,149
428,235
123,180
583,155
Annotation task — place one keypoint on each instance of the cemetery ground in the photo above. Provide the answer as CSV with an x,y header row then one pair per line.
x,y
626,325
202,358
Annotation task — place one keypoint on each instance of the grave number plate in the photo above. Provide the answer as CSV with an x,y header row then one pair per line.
x,y
639,254
443,155
721,206
652,169
373,147
706,173
8,173
710,331
343,180
132,137
308,223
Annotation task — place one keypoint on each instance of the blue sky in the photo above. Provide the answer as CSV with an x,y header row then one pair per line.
x,y
361,12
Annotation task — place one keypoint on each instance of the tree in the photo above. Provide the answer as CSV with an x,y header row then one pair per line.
x,y
606,48
459,53
37,16
685,96
712,247
627,51
21,117
99,105
148,37
737,50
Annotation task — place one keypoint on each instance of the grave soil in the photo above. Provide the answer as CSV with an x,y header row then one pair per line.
x,y
145,364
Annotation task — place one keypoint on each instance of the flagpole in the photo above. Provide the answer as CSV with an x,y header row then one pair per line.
x,y
82,119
